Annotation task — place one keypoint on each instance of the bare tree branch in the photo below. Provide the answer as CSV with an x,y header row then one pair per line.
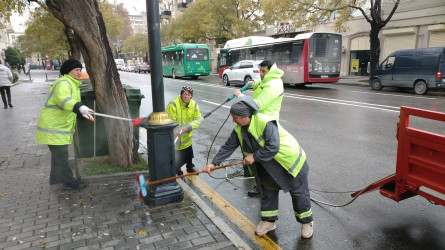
x,y
391,14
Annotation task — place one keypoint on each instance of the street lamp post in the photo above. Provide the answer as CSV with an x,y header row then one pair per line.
x,y
161,151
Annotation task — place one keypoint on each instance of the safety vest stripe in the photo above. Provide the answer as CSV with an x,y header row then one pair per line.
x,y
173,103
269,213
304,214
52,91
66,100
52,131
196,105
290,170
259,139
52,107
183,142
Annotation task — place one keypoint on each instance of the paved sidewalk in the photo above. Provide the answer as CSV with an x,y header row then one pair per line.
x,y
105,215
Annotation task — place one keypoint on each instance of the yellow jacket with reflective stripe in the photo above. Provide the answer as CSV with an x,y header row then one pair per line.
x,y
57,120
268,94
290,155
185,116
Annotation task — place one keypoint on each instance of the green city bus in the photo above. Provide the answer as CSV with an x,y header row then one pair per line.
x,y
191,60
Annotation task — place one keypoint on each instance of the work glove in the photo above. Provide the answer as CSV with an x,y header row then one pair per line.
x,y
86,112
183,130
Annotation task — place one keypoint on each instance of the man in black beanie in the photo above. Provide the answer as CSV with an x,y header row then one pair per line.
x,y
57,122
276,159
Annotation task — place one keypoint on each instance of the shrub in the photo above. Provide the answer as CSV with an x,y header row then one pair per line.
x,y
15,77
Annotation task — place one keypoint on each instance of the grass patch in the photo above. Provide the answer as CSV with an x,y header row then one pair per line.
x,y
365,81
101,165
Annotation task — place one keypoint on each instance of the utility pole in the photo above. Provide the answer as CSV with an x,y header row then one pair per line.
x,y
160,142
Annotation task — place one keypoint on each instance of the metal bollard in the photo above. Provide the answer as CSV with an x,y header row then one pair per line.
x,y
46,75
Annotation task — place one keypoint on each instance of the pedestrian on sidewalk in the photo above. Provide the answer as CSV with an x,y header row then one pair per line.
x,y
185,111
26,68
276,159
57,122
268,95
6,79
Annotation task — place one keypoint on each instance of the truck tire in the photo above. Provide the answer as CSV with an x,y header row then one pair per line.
x,y
376,84
420,88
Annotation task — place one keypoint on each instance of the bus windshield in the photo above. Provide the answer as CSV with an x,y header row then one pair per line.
x,y
197,55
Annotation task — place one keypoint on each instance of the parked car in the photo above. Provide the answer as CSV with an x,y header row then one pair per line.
x,y
143,67
130,67
242,72
418,69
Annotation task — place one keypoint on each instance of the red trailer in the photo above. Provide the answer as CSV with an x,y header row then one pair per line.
x,y
420,168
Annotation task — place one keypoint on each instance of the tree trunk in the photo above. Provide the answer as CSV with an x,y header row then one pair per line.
x,y
85,20
374,42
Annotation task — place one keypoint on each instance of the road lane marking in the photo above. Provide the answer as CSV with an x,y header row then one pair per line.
x,y
225,106
422,97
347,103
237,218
219,222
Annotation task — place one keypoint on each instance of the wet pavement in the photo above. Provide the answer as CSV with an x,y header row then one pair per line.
x,y
105,215
348,132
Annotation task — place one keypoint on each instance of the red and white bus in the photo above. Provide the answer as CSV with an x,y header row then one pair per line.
x,y
307,58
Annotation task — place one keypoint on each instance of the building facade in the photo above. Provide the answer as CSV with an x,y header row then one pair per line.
x,y
5,39
415,24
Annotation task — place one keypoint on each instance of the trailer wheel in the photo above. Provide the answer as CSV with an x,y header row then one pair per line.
x,y
226,80
420,88
376,84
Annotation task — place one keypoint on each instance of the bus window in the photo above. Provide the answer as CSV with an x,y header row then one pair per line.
x,y
235,56
297,50
320,47
261,54
197,55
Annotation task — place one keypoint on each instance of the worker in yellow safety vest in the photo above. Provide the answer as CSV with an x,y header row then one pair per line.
x,y
276,159
185,111
268,95
57,122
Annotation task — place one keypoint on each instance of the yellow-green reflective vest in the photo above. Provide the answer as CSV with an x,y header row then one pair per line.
x,y
290,155
268,94
185,116
57,120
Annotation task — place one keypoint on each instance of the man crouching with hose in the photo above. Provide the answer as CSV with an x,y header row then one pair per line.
x,y
276,159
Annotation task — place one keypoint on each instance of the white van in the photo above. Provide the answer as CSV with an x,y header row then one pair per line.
x,y
120,63
419,69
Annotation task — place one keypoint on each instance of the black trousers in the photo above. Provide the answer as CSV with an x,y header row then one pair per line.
x,y
7,90
60,169
184,156
301,200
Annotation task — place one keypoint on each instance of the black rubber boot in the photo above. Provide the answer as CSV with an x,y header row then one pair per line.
x,y
253,192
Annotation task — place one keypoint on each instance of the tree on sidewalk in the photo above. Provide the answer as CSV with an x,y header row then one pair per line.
x,y
310,14
86,33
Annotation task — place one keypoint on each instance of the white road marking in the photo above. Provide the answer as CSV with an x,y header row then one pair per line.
x,y
410,96
225,106
345,103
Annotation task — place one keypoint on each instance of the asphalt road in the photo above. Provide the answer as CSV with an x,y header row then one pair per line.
x,y
349,135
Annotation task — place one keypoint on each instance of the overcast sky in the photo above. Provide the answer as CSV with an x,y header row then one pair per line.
x,y
134,7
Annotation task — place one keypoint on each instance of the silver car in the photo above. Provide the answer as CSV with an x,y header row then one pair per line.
x,y
242,72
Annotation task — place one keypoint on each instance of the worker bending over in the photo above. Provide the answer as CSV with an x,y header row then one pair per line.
x,y
275,158
185,112
268,95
